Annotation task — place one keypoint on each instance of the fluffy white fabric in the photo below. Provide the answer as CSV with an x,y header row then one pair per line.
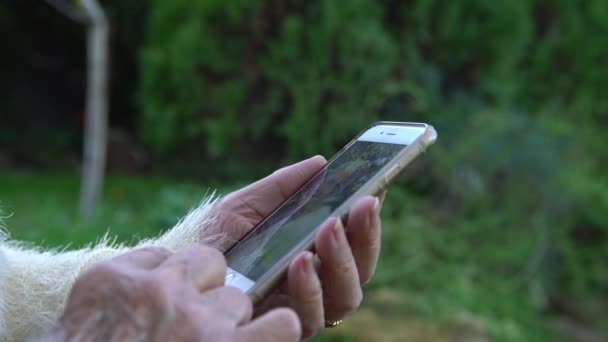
x,y
34,284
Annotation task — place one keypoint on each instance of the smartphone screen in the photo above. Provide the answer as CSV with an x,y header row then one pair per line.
x,y
251,258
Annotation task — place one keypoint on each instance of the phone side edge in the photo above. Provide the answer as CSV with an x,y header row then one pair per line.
x,y
375,186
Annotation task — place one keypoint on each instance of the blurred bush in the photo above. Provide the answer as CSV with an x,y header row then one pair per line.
x,y
264,79
515,89
293,78
506,216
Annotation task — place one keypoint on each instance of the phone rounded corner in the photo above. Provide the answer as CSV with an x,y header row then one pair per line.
x,y
431,136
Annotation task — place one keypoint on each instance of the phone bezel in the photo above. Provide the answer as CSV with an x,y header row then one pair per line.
x,y
375,185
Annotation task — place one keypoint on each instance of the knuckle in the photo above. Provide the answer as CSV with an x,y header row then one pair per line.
x,y
209,253
103,281
102,270
313,296
373,242
350,305
346,267
153,288
160,252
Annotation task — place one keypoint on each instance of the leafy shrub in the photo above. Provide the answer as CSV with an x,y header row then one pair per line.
x,y
238,77
516,184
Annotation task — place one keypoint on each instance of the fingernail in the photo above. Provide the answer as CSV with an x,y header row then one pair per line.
x,y
308,264
336,232
316,157
377,205
374,213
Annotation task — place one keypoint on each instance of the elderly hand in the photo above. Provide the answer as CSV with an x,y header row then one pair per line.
x,y
151,294
326,286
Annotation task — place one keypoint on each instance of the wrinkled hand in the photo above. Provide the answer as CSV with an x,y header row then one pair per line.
x,y
151,294
325,286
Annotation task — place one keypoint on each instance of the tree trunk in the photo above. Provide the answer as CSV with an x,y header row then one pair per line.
x,y
96,115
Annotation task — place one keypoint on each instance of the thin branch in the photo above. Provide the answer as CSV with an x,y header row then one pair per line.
x,y
94,12
69,11
96,122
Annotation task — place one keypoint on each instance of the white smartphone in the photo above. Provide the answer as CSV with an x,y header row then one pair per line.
x,y
259,260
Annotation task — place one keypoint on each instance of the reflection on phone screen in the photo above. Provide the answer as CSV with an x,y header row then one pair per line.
x,y
309,207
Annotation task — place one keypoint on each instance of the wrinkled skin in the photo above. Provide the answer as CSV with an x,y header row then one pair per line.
x,y
151,294
326,286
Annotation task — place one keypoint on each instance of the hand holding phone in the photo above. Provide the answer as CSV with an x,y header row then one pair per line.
x,y
364,167
343,269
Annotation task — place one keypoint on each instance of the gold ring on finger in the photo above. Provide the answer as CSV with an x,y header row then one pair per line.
x,y
333,324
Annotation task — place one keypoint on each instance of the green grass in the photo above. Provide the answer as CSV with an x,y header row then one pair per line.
x,y
431,284
43,208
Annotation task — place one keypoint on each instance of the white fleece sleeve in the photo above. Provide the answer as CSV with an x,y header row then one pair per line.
x,y
34,284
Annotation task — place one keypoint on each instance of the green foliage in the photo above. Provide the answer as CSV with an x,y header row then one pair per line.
x,y
334,64
504,218
42,208
474,43
446,278
568,63
309,75
229,76
513,196
189,82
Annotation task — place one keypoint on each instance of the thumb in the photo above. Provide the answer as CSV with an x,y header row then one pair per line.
x,y
272,190
292,177
276,325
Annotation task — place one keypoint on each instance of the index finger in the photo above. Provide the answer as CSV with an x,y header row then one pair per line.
x,y
204,266
277,325
364,235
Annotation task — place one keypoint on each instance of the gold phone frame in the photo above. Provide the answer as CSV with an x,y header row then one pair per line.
x,y
374,186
